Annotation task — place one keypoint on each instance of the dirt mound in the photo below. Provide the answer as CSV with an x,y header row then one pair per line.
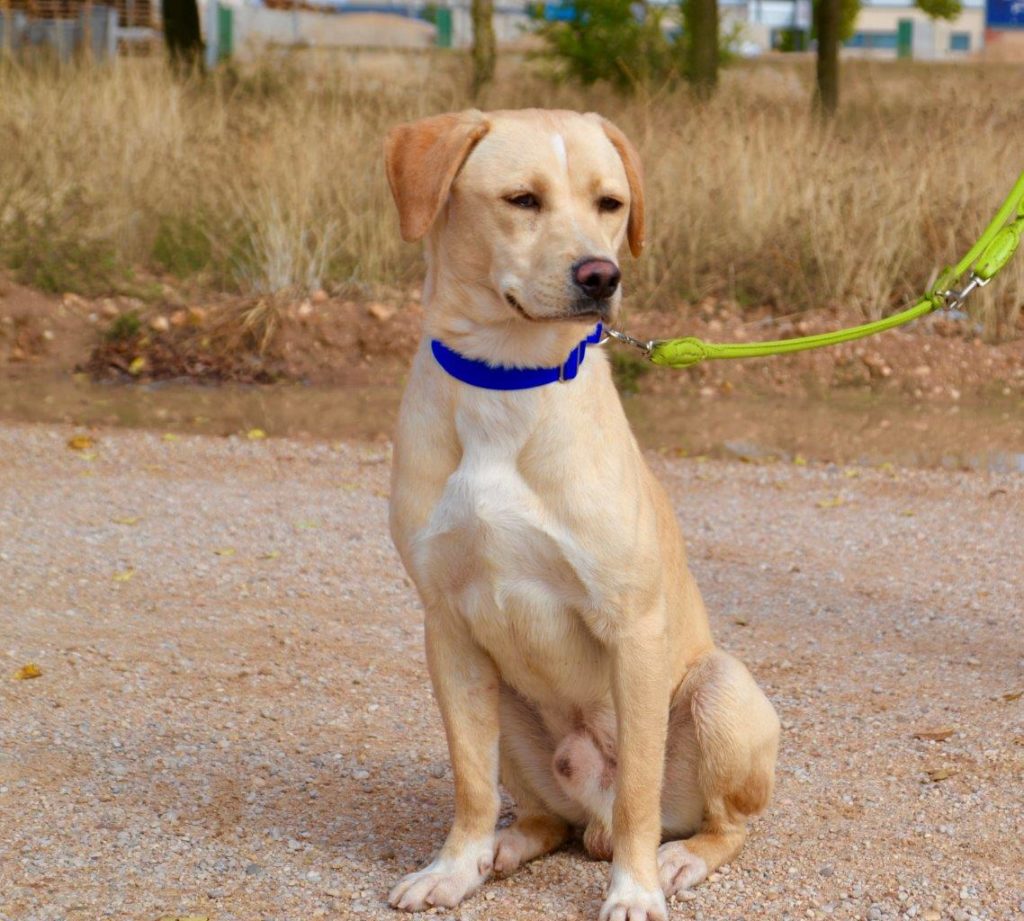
x,y
345,338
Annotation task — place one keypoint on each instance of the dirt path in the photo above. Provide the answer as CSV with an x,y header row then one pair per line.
x,y
233,718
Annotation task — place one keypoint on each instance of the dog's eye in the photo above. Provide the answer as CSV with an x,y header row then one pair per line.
x,y
524,200
609,204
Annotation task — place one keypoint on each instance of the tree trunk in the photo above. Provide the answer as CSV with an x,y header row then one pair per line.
x,y
826,97
701,20
484,44
181,34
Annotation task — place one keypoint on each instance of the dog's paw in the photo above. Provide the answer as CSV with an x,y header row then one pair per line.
x,y
629,901
511,850
525,840
679,868
597,840
445,882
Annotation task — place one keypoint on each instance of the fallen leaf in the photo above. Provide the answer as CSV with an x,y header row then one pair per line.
x,y
935,735
270,555
255,434
307,525
129,520
1013,695
908,513
998,491
31,670
184,918
830,503
740,621
170,436
81,442
137,366
937,774
800,461
124,576
851,473
225,551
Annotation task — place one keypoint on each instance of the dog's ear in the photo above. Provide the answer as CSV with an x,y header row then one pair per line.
x,y
635,176
422,160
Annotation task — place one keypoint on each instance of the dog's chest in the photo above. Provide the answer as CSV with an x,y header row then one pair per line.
x,y
497,551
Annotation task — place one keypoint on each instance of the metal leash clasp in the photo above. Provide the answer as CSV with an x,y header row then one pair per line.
x,y
627,339
955,299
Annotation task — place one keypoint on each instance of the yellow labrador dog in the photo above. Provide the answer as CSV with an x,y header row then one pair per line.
x,y
567,642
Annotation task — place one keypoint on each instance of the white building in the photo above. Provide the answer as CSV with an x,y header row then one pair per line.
x,y
884,29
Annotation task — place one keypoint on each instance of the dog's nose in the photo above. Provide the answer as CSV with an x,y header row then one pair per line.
x,y
597,278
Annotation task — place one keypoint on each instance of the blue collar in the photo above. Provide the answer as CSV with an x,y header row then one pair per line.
x,y
498,377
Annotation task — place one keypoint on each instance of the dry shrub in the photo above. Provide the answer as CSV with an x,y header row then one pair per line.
x,y
269,179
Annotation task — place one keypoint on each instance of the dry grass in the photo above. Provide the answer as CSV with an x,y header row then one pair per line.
x,y
271,180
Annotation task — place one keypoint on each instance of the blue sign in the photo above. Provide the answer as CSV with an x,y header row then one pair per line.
x,y
1004,14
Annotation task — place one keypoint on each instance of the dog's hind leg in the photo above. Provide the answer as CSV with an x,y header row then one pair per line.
x,y
720,768
543,813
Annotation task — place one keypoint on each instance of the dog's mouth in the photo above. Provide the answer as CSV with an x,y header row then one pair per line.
x,y
582,309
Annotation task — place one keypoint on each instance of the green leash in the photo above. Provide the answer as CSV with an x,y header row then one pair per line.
x,y
993,250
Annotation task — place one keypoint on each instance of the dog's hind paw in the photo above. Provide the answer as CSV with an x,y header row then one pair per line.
x,y
679,868
445,882
527,838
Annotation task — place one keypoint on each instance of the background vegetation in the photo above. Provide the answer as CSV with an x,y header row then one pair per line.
x,y
271,180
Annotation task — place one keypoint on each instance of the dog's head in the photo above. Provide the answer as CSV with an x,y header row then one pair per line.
x,y
525,211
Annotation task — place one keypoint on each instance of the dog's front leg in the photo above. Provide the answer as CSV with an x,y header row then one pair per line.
x,y
641,704
466,686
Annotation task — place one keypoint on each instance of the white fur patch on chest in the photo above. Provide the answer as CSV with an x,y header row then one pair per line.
x,y
491,545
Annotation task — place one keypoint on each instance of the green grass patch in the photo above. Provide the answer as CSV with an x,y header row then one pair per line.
x,y
124,326
627,371
181,246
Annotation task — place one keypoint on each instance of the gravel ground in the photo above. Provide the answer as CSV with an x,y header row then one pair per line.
x,y
233,718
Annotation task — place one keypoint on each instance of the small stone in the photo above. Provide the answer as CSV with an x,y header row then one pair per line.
x,y
825,871
217,893
294,845
380,312
319,296
305,309
160,324
360,775
253,869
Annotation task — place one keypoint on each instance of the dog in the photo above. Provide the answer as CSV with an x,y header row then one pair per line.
x,y
567,642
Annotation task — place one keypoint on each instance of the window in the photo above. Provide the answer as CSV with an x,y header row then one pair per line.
x,y
874,41
960,41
